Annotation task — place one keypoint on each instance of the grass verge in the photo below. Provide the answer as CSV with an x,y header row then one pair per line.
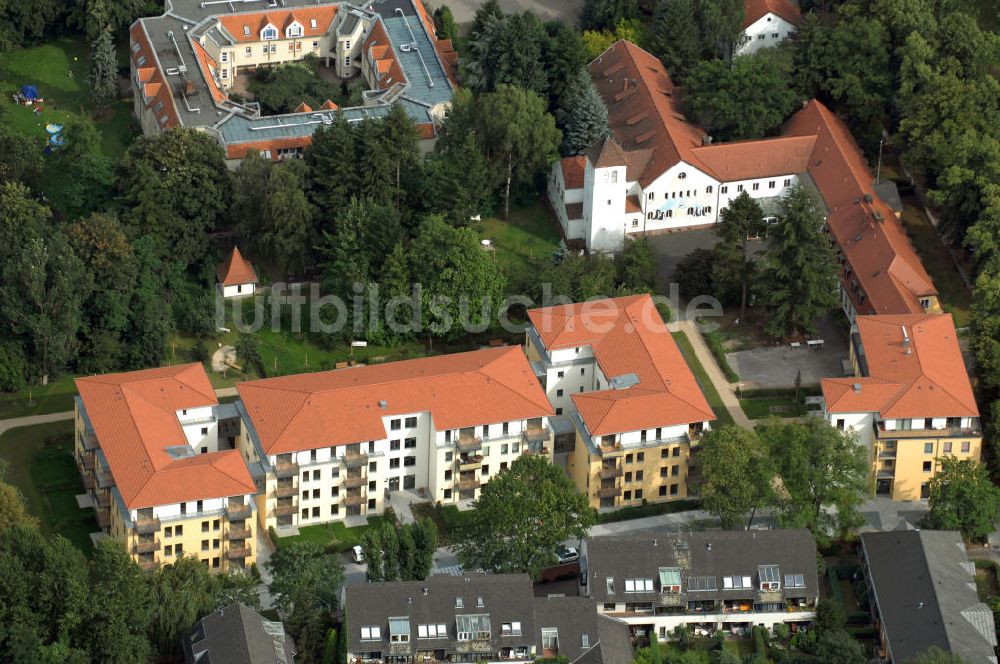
x,y
334,537
764,407
40,464
448,518
650,509
714,342
707,388
55,397
528,236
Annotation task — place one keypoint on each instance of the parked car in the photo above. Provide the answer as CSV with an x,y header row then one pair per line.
x,y
357,555
567,554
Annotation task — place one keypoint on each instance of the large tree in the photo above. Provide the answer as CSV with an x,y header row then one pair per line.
x,y
736,473
332,168
519,135
818,467
747,98
507,51
103,76
176,188
286,218
676,37
20,160
121,604
522,514
462,284
742,219
963,498
182,594
583,117
798,277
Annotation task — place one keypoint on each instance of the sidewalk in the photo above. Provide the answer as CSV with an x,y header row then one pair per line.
x,y
726,390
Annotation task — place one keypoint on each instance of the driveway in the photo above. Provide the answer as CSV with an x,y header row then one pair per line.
x,y
567,11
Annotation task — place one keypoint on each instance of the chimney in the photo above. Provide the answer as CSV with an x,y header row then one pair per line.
x,y
857,387
708,546
654,542
906,337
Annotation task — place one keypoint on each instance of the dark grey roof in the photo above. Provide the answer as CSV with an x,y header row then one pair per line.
x,y
925,593
506,598
700,556
578,623
887,191
237,635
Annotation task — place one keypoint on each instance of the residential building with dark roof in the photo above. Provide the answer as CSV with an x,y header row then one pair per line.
x,y
155,450
330,445
658,172
910,402
237,634
627,407
477,618
922,594
185,62
711,580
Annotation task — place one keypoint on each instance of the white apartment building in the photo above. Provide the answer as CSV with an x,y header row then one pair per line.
x,y
331,445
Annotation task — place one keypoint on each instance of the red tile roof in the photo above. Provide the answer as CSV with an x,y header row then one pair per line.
x,y
236,270
280,19
881,258
627,336
158,95
757,9
384,57
573,169
134,416
926,378
243,149
746,160
328,106
208,67
341,407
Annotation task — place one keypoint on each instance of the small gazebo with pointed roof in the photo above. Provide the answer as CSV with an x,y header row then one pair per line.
x,y
236,276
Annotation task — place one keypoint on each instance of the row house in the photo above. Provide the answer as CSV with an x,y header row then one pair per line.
x,y
658,172
618,382
910,402
707,581
476,618
155,450
330,445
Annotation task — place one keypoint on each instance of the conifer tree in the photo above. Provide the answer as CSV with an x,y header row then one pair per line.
x,y
584,116
103,71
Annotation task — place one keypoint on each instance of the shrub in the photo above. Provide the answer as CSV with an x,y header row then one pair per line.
x,y
694,273
719,353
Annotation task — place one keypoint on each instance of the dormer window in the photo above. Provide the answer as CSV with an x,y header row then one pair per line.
x,y
670,580
246,30
269,32
770,579
312,23
294,30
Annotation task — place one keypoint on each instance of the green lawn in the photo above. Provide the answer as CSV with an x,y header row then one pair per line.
x,y
40,464
448,518
650,509
759,409
334,537
708,389
59,70
529,235
55,397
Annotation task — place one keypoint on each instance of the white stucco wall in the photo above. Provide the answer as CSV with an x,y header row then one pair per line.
x,y
768,30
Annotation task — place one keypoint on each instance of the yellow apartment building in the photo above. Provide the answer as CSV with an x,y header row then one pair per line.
x,y
155,451
910,402
623,392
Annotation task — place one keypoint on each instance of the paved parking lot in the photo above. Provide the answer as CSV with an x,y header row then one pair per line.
x,y
562,10
670,248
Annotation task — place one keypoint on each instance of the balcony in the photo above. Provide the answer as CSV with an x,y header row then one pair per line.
x,y
238,511
286,492
149,565
237,552
610,491
885,474
944,432
470,463
89,440
355,482
468,444
147,546
285,510
468,485
611,472
147,526
671,599
355,460
354,500
105,480
611,449
103,519
88,461
89,482
239,533
536,439
103,500
283,470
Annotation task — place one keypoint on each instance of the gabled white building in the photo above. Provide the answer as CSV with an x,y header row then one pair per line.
x,y
768,23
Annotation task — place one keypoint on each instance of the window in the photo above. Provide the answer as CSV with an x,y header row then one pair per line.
x,y
270,32
670,580
393,445
560,374
447,475
947,448
770,185
371,503
736,582
774,35
485,470
675,471
179,549
372,633
840,424
347,61
681,175
448,456
179,530
628,476
294,30
701,583
432,631
724,189
664,472
628,458
708,189
611,585
246,30
184,510
638,494
795,581
928,448
505,429
640,457
411,422
638,585
399,630
756,186
663,491
559,393
447,494
371,485
927,466
788,182
204,545
168,531
966,445
504,449
316,475
674,488
739,187
305,514
393,463
550,639
759,37
638,477
215,544
312,455
510,629
168,550
248,51
665,452
677,451
204,526
610,606
409,461
559,411
224,73
315,45
395,425
312,23
224,56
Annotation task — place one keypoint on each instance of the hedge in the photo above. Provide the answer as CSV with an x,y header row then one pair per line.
x,y
719,353
835,591
762,392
